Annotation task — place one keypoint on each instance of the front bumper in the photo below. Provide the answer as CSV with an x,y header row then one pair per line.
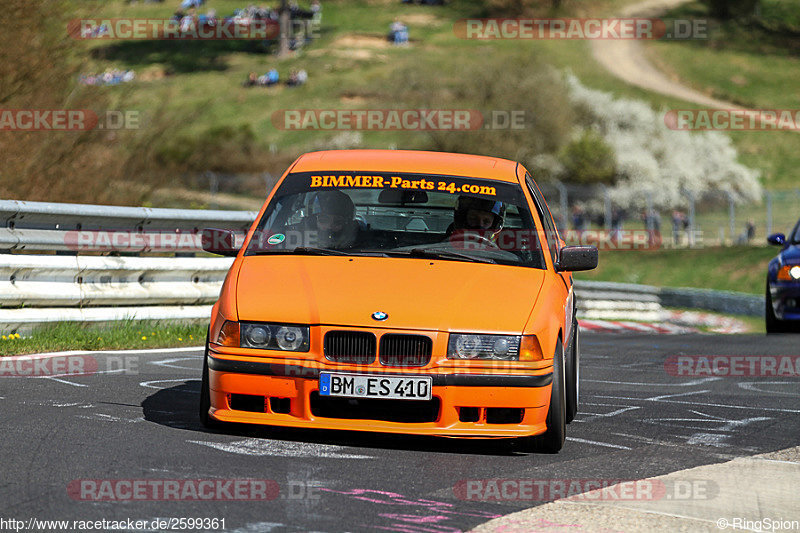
x,y
785,299
296,386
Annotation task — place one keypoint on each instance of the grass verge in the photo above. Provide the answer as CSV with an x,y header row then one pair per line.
x,y
737,268
121,335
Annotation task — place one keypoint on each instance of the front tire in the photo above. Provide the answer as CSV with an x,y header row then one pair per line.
x,y
773,324
552,440
572,374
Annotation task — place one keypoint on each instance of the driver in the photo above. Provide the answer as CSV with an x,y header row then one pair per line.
x,y
333,219
477,215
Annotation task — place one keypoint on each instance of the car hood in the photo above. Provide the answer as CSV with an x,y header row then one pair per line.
x,y
415,293
791,255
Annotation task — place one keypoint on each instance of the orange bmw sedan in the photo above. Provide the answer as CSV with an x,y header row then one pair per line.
x,y
402,292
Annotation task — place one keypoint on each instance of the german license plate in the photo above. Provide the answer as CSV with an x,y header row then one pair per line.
x,y
365,386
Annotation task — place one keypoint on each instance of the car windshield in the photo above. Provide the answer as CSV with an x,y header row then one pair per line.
x,y
399,215
795,239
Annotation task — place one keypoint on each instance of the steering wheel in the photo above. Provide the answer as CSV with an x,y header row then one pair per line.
x,y
467,235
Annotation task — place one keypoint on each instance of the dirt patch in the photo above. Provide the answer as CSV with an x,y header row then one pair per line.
x,y
151,74
420,19
362,41
353,99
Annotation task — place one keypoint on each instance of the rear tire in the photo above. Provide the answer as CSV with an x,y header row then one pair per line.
x,y
572,374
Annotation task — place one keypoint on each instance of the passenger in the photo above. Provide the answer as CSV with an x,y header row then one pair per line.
x,y
333,219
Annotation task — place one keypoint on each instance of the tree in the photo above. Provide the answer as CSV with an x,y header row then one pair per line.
x,y
286,29
589,159
728,9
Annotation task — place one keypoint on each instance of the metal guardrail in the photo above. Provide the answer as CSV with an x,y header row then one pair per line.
x,y
628,297
38,288
84,281
44,226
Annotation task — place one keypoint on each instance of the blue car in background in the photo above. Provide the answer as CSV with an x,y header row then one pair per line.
x,y
783,284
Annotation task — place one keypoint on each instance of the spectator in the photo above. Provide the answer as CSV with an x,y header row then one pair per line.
x,y
749,233
651,219
209,19
618,216
398,32
296,78
316,10
109,77
578,218
187,22
677,225
251,81
652,223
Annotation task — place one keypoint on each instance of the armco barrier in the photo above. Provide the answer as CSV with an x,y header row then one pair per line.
x,y
37,289
83,281
627,297
43,226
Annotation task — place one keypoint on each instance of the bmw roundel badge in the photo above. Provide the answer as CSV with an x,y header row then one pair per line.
x,y
379,315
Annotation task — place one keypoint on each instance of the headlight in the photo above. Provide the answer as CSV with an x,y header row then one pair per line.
x,y
471,346
290,338
274,337
256,335
789,273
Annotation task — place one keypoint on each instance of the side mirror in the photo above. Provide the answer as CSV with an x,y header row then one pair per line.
x,y
778,239
575,258
219,241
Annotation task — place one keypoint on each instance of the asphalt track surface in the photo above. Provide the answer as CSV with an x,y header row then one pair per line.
x,y
636,421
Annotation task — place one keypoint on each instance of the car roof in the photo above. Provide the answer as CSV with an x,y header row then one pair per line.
x,y
475,166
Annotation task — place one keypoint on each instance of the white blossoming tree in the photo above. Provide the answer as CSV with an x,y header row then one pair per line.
x,y
656,161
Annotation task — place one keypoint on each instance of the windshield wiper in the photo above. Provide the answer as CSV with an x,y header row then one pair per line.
x,y
300,250
425,253
311,250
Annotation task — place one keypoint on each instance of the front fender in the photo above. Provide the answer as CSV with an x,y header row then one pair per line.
x,y
547,319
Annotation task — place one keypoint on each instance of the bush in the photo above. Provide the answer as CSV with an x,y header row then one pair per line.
x,y
588,159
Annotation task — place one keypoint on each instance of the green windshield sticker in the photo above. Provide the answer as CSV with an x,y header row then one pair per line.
x,y
276,239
